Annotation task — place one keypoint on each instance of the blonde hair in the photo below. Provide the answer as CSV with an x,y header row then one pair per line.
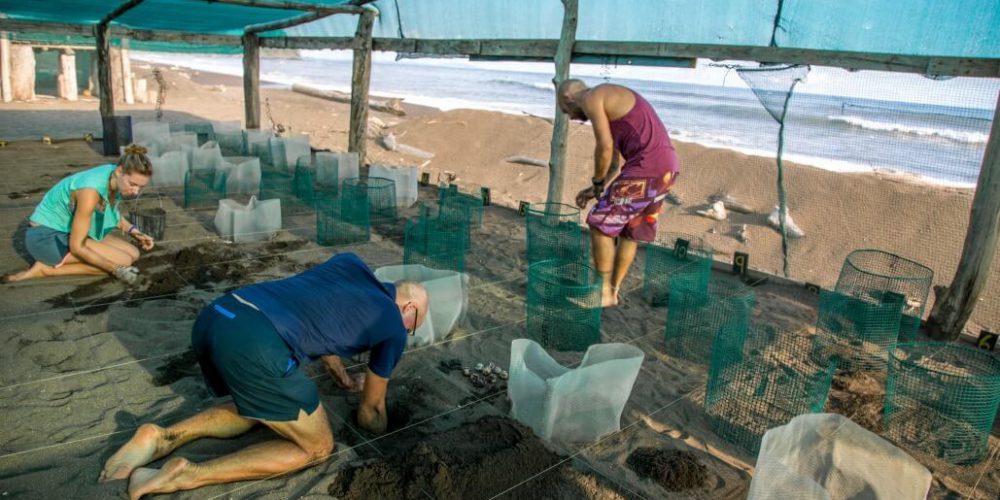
x,y
134,160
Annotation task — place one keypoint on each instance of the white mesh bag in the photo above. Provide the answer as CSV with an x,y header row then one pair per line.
x,y
827,456
238,174
405,179
154,133
169,169
255,221
295,146
206,157
572,405
447,291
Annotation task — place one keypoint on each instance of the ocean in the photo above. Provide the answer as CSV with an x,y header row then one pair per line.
x,y
836,120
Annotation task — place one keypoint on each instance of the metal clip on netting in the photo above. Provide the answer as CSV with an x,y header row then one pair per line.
x,y
762,381
343,220
673,254
859,332
700,310
941,399
437,240
884,277
563,305
554,233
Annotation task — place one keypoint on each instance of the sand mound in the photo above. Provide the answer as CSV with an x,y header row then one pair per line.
x,y
675,470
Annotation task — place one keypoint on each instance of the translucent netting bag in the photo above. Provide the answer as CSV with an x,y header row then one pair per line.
x,y
825,456
258,220
183,141
238,175
448,292
333,168
208,156
572,405
155,133
169,169
405,179
204,130
285,151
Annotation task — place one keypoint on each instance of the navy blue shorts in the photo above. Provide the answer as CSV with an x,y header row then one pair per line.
x,y
46,245
241,354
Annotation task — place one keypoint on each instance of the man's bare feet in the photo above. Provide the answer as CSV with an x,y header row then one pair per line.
x,y
37,270
142,449
166,480
609,297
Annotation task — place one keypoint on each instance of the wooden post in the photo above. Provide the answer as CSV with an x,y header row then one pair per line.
x,y
360,80
126,62
93,83
67,75
954,306
22,72
102,33
560,126
6,93
251,80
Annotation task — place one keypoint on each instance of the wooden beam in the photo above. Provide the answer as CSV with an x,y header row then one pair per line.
x,y
954,306
560,126
287,5
87,30
6,93
287,23
251,80
360,81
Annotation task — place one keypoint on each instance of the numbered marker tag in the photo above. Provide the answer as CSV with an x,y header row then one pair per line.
x,y
987,340
46,139
681,248
485,193
812,288
522,208
88,137
3,144
741,262
425,179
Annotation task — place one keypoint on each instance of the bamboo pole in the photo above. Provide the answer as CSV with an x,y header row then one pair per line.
x,y
360,81
6,93
954,304
251,80
560,126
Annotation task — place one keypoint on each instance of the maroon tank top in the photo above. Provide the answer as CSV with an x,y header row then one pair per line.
x,y
643,140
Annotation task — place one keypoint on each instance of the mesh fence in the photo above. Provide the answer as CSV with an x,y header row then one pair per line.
x,y
199,190
437,240
673,254
343,220
761,380
554,233
699,310
885,277
858,332
941,400
451,199
563,305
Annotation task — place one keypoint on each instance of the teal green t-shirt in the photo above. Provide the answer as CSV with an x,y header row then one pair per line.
x,y
56,211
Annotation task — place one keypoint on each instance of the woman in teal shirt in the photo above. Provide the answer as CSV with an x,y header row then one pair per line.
x,y
69,231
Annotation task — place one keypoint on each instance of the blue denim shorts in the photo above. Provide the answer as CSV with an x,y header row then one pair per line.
x,y
46,245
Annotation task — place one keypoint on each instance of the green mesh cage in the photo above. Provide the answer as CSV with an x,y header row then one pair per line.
x,y
554,233
381,197
699,311
262,150
763,379
858,332
231,142
198,191
204,130
304,183
941,400
275,183
670,255
563,305
436,240
343,220
451,199
871,274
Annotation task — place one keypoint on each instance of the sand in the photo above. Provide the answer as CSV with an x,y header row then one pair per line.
x,y
84,361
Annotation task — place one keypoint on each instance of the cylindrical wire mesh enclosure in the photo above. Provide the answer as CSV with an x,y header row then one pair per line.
x,y
875,274
437,240
699,311
303,181
941,399
858,332
204,130
231,142
554,233
670,255
450,199
564,305
199,189
381,197
763,379
275,183
343,220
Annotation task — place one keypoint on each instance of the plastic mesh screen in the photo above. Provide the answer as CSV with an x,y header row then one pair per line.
x,y
873,274
343,220
699,310
554,233
231,142
858,332
674,254
564,305
761,380
437,240
381,197
198,189
941,400
451,199
204,130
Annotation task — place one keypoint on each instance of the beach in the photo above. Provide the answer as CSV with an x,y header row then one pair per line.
x,y
87,360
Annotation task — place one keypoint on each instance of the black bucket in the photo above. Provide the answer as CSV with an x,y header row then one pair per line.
x,y
151,221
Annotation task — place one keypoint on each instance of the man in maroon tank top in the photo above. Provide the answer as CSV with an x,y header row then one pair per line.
x,y
629,137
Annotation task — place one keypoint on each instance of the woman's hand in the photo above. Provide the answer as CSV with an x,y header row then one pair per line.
x,y
145,240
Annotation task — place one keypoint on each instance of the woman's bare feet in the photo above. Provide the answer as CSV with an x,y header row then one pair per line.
x,y
165,480
37,270
147,445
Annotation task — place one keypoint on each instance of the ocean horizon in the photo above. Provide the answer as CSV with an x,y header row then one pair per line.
x,y
837,120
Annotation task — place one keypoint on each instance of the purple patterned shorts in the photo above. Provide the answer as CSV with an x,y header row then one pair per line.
x,y
630,207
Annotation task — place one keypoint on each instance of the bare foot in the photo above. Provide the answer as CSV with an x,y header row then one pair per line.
x,y
142,449
166,480
37,270
609,297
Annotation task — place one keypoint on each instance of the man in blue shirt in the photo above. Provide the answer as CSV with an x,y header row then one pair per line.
x,y
250,344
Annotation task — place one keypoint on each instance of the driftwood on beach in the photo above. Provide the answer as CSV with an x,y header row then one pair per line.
x,y
392,106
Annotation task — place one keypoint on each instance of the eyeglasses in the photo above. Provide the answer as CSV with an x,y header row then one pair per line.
x,y
416,316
